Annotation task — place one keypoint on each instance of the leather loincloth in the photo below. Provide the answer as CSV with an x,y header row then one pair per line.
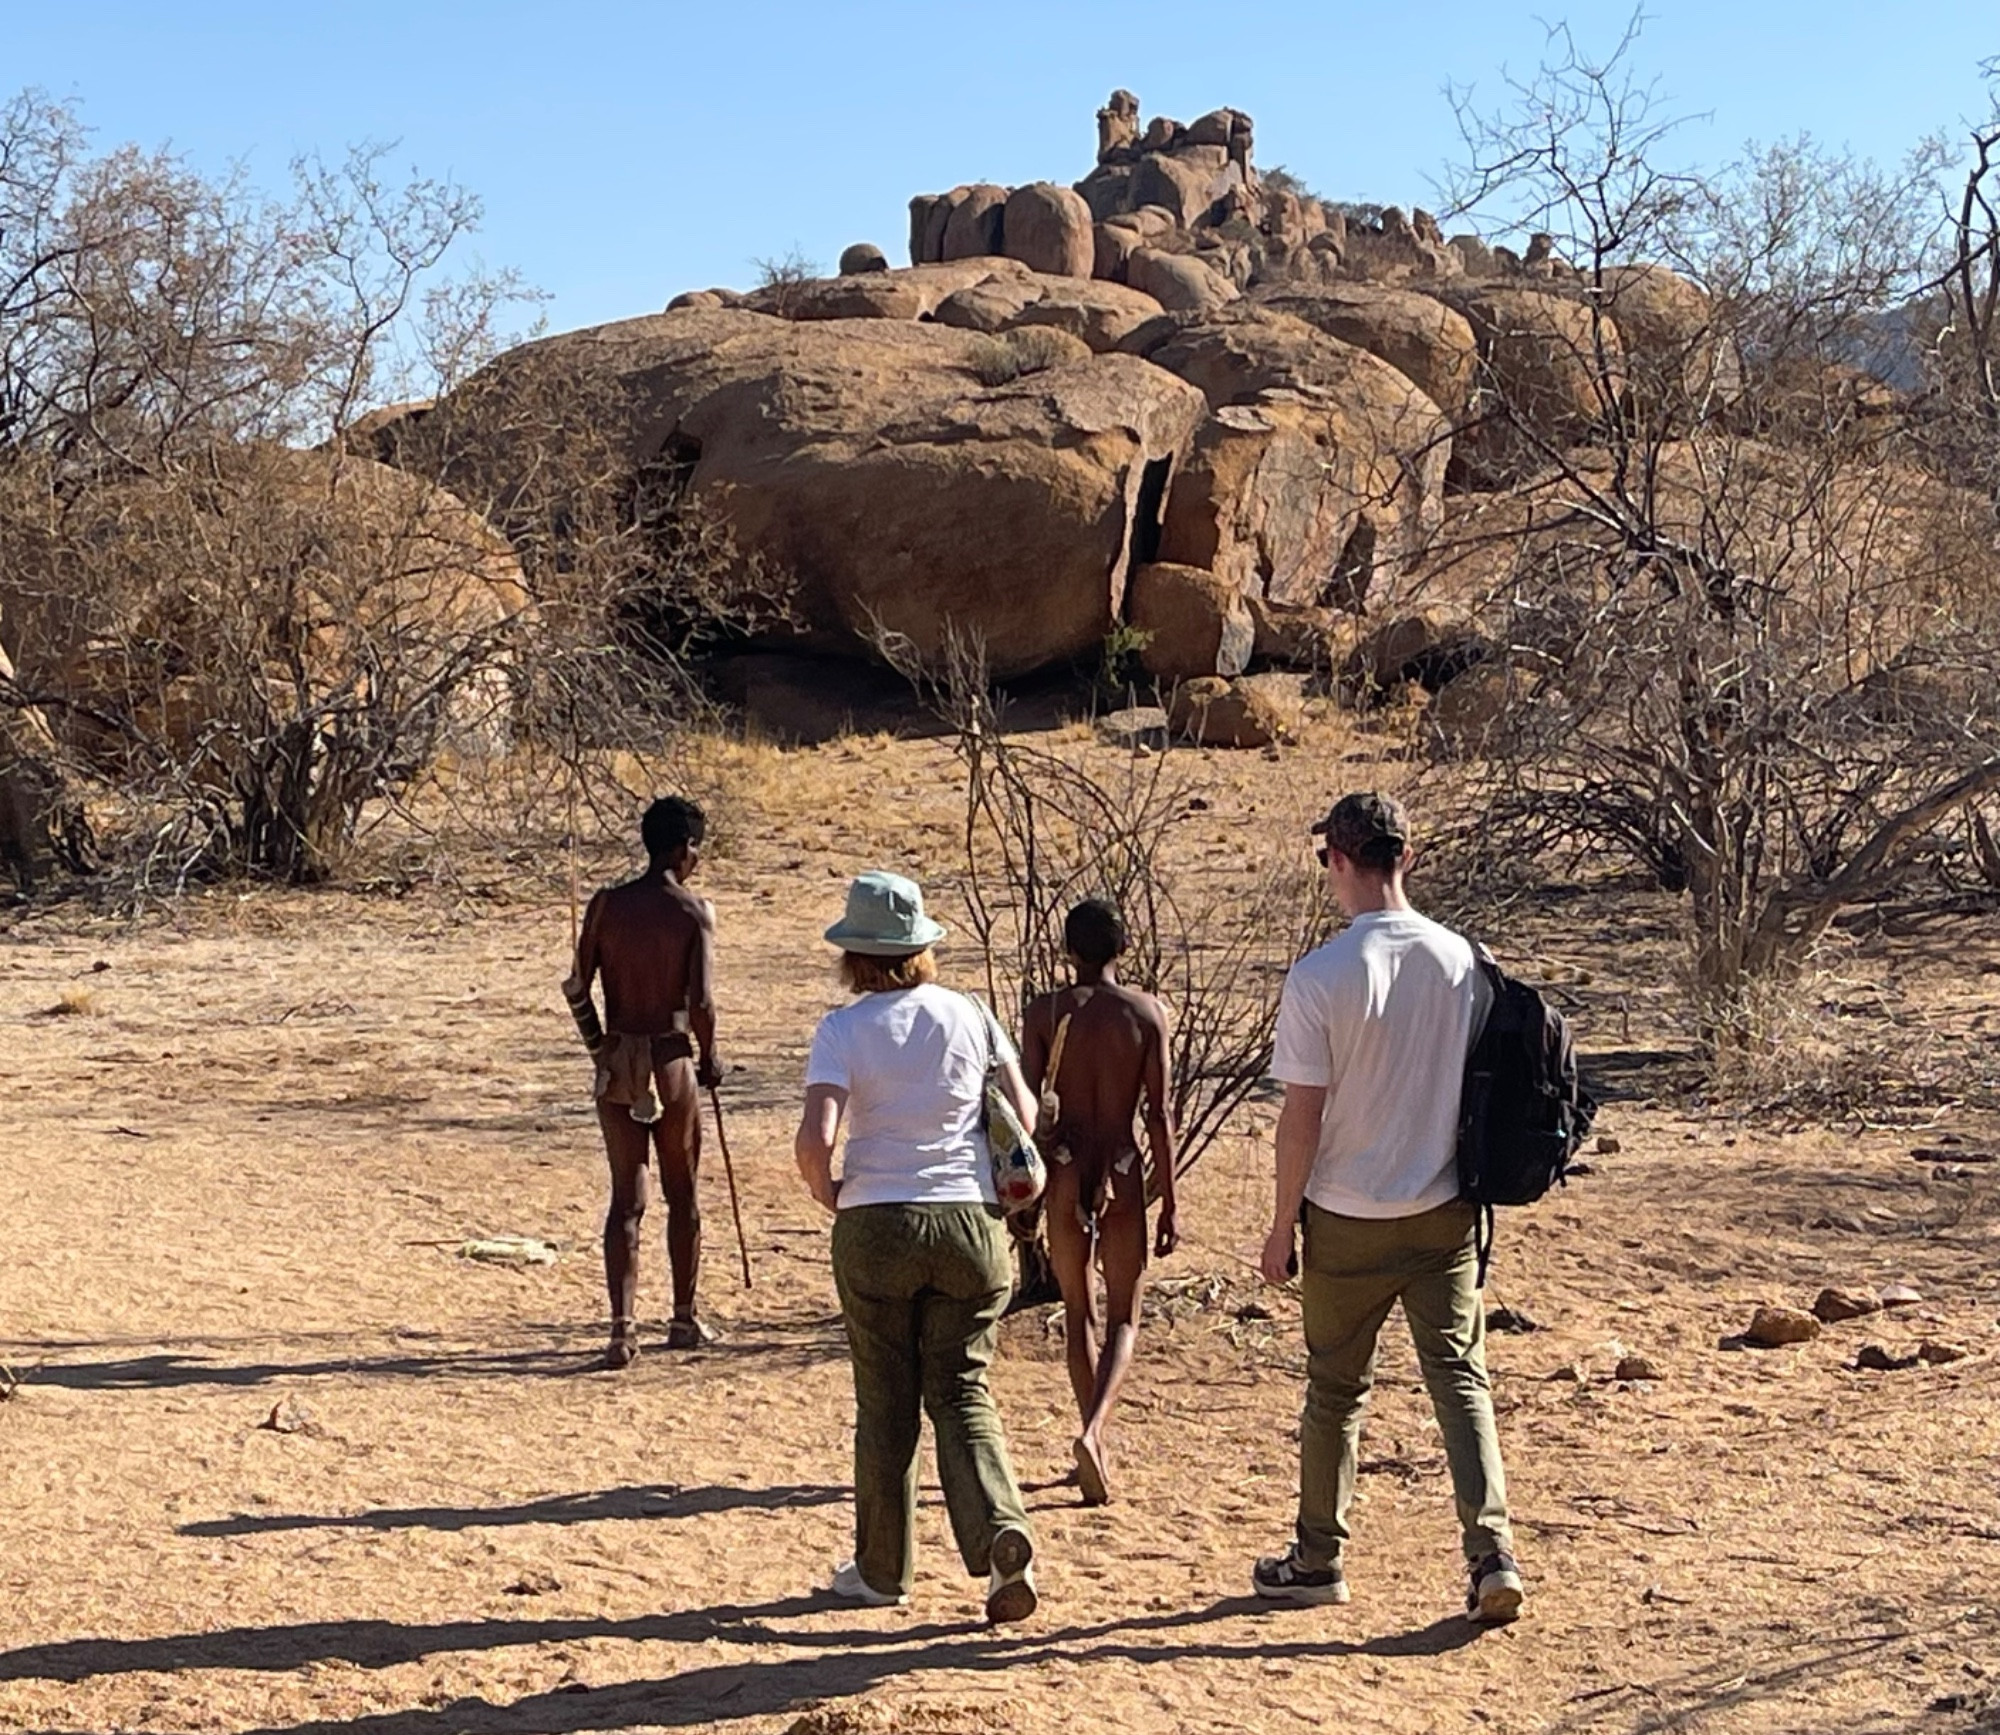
x,y
626,1068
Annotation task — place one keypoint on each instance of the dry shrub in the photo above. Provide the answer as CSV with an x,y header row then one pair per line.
x,y
235,654
1760,666
1028,349
1044,829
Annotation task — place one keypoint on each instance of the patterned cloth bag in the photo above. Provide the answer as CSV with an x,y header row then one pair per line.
x,y
1019,1174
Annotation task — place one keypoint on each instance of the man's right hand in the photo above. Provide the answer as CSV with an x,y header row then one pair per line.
x,y
708,1072
1279,1263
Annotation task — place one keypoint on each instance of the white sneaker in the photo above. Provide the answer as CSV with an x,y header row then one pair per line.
x,y
850,1586
1010,1592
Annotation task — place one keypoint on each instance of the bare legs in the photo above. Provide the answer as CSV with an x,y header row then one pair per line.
x,y
629,1145
1097,1364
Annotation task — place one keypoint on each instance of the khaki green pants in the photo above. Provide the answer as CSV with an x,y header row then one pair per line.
x,y
1355,1269
922,1288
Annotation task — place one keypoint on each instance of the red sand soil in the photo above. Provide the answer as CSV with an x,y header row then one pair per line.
x,y
239,1164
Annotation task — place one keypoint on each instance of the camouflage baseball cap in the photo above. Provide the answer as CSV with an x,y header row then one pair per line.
x,y
1365,817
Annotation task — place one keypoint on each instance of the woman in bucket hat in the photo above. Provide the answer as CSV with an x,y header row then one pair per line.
x,y
920,1253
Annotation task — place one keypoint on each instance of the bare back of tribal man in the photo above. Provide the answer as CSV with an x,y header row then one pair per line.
x,y
652,941
1113,1042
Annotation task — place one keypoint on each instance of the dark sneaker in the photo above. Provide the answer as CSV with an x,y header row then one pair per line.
x,y
1285,1578
1494,1597
1010,1592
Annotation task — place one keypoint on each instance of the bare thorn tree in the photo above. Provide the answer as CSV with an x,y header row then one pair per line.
x,y
1043,830
1733,626
246,621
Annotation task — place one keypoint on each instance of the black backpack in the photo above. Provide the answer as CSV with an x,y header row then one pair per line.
x,y
1523,1110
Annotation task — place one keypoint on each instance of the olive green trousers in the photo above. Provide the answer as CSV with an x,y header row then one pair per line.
x,y
1353,1271
922,1288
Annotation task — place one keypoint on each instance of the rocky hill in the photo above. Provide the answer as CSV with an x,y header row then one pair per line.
x,y
1167,397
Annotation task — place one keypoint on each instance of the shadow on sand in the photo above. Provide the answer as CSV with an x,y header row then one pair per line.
x,y
835,1663
656,1501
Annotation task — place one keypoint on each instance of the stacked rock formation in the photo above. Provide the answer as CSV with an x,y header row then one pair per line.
x,y
1175,396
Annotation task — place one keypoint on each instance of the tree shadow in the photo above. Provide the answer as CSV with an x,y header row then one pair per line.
x,y
172,1368
656,1501
565,1357
1640,1074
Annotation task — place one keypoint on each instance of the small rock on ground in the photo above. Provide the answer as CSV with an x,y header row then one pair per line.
x,y
1836,1304
1774,1327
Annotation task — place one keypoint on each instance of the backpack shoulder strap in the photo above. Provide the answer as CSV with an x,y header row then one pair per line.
x,y
1487,981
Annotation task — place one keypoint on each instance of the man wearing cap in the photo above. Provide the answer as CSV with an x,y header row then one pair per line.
x,y
1372,1035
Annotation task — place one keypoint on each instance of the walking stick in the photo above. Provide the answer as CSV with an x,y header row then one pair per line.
x,y
572,864
729,1170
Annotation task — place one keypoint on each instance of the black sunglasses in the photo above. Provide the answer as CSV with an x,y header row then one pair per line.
x,y
1321,853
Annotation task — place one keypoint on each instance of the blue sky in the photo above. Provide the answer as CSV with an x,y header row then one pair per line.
x,y
627,151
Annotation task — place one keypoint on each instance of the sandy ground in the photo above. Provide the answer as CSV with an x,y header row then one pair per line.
x,y
237,1170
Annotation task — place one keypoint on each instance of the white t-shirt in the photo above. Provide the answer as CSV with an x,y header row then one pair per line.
x,y
913,1063
1381,1016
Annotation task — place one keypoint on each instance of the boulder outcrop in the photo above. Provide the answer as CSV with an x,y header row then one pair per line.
x,y
973,224
1416,334
1196,623
873,461
1555,366
1048,228
1179,282
1319,472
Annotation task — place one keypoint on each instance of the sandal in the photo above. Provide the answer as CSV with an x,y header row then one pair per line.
x,y
688,1334
623,1349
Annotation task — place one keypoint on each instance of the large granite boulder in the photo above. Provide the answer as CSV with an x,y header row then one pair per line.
x,y
989,306
1195,623
1112,247
1102,314
1676,360
974,224
871,460
1188,188
1320,471
1553,364
861,258
1047,228
1179,282
1414,333
914,292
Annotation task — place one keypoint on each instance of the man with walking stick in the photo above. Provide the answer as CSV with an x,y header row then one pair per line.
x,y
652,942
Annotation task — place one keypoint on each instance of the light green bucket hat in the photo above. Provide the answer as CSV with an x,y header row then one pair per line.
x,y
884,918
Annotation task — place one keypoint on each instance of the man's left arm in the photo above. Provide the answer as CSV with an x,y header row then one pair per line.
x,y
1160,1130
701,996
1298,1148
